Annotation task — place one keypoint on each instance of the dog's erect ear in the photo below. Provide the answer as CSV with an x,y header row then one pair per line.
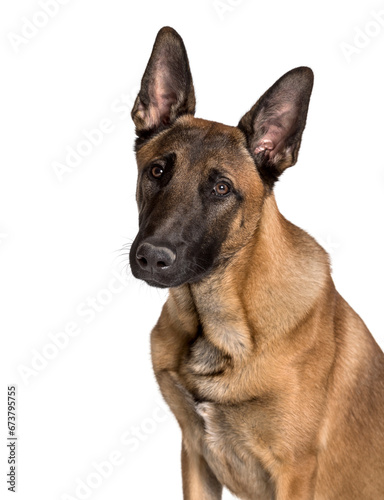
x,y
166,87
275,124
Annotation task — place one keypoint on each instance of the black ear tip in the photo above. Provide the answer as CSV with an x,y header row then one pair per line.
x,y
304,72
167,31
308,72
301,77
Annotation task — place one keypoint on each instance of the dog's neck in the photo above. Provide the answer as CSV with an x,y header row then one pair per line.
x,y
272,283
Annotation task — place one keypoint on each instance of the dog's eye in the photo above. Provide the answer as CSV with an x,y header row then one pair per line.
x,y
157,171
221,189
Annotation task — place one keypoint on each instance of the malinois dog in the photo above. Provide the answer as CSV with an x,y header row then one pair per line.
x,y
277,384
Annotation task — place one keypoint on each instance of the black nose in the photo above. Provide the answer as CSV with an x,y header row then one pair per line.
x,y
151,257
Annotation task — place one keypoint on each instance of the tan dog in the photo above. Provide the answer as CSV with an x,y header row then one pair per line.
x,y
275,381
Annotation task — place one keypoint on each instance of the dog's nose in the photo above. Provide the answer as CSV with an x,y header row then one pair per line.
x,y
151,257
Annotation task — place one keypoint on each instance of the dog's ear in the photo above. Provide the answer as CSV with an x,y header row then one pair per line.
x,y
275,124
166,87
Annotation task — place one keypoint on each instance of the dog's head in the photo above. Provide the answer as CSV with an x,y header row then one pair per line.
x,y
201,184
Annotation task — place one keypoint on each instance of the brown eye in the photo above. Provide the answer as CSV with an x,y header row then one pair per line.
x,y
221,189
157,171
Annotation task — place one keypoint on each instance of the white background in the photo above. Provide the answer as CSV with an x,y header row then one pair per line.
x,y
61,241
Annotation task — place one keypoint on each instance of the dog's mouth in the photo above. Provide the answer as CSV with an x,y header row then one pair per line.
x,y
158,284
155,284
164,277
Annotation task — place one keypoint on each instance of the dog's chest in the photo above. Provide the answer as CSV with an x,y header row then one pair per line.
x,y
204,360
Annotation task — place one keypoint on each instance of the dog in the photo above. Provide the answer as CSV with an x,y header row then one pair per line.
x,y
276,383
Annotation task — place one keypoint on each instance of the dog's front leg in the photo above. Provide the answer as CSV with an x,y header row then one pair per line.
x,y
199,482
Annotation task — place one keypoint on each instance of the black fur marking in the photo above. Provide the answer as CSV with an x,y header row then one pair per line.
x,y
146,135
167,162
